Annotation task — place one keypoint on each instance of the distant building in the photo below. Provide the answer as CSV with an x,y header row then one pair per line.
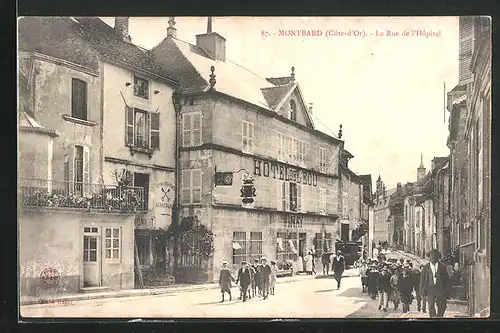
x,y
381,213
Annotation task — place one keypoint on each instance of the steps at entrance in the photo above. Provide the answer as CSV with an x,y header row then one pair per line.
x,y
87,290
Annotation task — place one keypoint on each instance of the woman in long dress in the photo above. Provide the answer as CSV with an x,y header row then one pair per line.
x,y
309,263
272,277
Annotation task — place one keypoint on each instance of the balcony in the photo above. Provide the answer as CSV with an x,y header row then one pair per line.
x,y
76,195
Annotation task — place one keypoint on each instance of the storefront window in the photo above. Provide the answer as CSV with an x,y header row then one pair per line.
x,y
286,247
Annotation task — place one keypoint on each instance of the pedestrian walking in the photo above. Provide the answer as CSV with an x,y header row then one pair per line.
x,y
372,277
251,287
265,275
435,284
313,261
395,296
384,289
309,263
256,287
338,267
225,279
364,277
244,280
405,288
421,301
325,261
273,277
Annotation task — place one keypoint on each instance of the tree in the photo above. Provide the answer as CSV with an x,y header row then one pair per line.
x,y
192,237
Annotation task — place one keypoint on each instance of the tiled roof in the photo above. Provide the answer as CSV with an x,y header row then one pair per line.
x,y
28,123
61,37
280,81
274,95
108,43
190,65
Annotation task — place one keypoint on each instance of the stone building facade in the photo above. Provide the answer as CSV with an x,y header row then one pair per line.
x,y
233,121
381,211
469,141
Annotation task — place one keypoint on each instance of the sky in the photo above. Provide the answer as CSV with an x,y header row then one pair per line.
x,y
387,91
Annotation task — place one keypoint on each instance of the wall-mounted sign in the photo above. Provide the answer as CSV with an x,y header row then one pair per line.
x,y
293,220
284,172
164,195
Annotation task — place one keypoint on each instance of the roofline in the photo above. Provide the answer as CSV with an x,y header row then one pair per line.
x,y
41,130
129,66
266,111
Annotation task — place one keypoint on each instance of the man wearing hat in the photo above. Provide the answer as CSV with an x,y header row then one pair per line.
x,y
256,279
421,301
244,280
435,284
265,275
384,288
338,267
225,279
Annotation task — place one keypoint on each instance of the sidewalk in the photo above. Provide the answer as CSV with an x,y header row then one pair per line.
x,y
452,311
64,299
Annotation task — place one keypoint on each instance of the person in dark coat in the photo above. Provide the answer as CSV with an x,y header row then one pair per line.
x,y
256,287
384,289
325,260
372,280
225,279
338,267
244,280
421,301
252,286
405,287
265,275
435,284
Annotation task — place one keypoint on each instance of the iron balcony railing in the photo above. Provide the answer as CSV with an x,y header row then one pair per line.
x,y
52,193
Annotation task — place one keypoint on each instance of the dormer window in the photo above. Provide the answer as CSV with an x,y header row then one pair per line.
x,y
293,110
141,87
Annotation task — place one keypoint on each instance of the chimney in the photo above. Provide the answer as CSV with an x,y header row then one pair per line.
x,y
121,28
212,43
171,30
310,108
398,187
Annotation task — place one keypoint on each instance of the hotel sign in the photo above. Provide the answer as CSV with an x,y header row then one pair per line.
x,y
285,173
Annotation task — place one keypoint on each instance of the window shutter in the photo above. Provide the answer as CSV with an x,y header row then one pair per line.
x,y
71,169
129,126
299,198
154,129
283,196
196,128
86,170
186,130
287,195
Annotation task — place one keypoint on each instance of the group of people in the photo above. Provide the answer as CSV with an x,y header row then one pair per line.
x,y
257,279
396,281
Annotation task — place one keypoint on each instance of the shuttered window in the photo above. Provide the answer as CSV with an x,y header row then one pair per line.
x,y
79,99
191,186
154,121
142,129
191,129
466,35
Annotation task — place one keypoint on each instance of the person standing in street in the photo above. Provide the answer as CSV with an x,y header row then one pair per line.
x,y
405,287
372,277
395,295
225,279
244,280
313,261
421,301
308,259
273,277
364,277
256,287
265,275
338,267
435,284
384,289
325,261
